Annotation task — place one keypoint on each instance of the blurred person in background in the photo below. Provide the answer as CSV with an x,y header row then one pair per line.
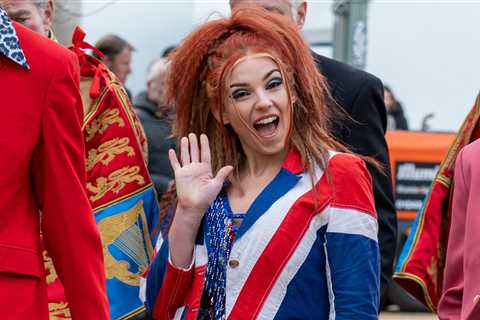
x,y
360,95
37,15
395,117
156,119
117,56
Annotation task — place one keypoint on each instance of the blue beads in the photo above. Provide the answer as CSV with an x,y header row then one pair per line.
x,y
219,238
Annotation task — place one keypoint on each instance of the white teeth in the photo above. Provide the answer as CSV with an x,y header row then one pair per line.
x,y
267,120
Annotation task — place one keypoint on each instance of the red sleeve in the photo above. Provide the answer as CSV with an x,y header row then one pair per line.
x,y
68,225
175,287
450,305
166,285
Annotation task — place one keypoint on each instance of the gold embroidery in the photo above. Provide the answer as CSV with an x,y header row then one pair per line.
x,y
115,182
59,311
123,232
134,121
142,137
49,268
107,151
104,120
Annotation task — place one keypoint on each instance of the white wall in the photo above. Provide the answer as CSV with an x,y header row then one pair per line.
x,y
428,52
319,12
66,19
149,25
206,10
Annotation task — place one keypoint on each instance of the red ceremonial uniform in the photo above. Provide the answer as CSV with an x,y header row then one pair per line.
x,y
43,170
119,188
420,270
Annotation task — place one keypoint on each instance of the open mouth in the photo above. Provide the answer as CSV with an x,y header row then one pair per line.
x,y
266,126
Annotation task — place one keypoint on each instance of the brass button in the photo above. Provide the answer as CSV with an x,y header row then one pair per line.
x,y
233,263
476,299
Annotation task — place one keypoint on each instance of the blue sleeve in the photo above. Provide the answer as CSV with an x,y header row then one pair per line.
x,y
353,272
155,276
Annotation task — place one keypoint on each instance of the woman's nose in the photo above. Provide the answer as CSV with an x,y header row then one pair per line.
x,y
263,99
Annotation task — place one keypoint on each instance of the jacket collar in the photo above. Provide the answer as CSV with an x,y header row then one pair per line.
x,y
293,162
9,43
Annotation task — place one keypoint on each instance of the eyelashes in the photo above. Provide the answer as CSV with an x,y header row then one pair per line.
x,y
240,93
275,82
243,92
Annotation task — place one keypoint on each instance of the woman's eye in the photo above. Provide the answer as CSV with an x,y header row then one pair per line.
x,y
274,83
238,94
21,20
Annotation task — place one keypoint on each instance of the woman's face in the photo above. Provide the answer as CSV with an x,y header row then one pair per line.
x,y
258,105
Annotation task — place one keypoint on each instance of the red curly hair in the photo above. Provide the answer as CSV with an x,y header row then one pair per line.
x,y
196,84
197,79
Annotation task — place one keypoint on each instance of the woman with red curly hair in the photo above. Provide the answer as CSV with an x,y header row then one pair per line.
x,y
286,228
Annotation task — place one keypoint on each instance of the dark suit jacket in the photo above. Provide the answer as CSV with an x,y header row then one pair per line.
x,y
42,161
360,95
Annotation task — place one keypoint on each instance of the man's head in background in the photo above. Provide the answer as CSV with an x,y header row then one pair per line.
x,y
36,15
118,55
294,9
156,78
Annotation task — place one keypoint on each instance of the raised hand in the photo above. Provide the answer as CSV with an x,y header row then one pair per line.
x,y
196,185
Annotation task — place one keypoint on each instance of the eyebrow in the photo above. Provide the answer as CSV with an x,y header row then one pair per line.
x,y
264,78
19,13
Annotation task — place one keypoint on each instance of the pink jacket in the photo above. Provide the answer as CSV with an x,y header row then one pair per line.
x,y
461,291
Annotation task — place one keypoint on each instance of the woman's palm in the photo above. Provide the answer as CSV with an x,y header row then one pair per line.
x,y
196,186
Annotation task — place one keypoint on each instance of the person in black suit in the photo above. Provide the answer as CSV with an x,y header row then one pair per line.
x,y
359,95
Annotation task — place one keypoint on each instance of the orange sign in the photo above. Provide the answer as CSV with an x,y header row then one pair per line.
x,y
415,157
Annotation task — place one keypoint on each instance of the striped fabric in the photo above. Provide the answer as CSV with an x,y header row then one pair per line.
x,y
302,252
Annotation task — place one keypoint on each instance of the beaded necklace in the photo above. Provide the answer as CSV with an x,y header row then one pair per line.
x,y
220,233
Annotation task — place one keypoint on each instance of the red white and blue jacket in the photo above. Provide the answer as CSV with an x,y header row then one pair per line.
x,y
300,253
